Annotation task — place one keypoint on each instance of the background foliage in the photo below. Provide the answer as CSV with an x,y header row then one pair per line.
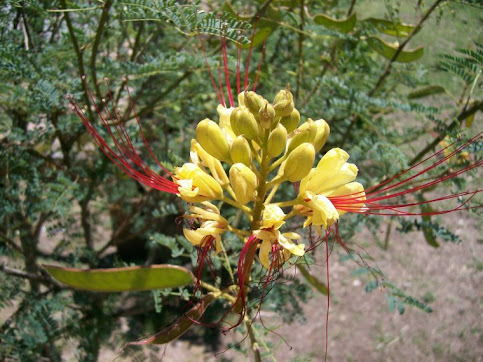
x,y
63,202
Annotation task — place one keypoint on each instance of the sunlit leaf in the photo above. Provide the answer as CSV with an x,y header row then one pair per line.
x,y
179,327
388,50
317,284
340,25
390,28
134,278
428,231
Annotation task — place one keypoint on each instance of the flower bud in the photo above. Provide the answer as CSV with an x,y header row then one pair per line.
x,y
211,138
240,151
253,102
266,115
195,185
299,162
244,183
305,133
277,141
244,123
283,103
323,131
241,98
292,121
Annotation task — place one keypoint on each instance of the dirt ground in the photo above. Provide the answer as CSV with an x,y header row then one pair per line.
x,y
361,328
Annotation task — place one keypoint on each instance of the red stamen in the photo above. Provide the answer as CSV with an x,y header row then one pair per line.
x,y
125,156
247,70
217,91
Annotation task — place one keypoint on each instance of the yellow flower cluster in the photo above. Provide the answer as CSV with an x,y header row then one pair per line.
x,y
244,158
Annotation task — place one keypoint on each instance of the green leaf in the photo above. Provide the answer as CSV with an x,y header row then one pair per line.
x,y
390,28
426,91
340,25
317,284
133,278
428,232
388,50
179,327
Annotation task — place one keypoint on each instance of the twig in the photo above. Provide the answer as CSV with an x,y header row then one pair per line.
x,y
301,50
78,52
387,71
478,106
95,45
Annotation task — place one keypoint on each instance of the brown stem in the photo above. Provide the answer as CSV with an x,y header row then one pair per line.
x,y
95,46
78,52
388,69
301,50
351,8
478,106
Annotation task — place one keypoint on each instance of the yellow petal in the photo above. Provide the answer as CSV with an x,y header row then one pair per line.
x,y
265,250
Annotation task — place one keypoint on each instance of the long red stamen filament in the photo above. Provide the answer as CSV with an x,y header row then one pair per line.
x,y
209,71
125,150
259,64
447,157
247,70
225,64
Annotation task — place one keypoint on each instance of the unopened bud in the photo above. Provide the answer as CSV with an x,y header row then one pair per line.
x,y
305,133
283,103
244,123
292,121
195,185
211,138
253,102
299,162
277,141
244,183
323,131
266,115
241,99
240,151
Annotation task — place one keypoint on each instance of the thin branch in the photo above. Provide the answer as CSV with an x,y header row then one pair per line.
x,y
478,106
301,50
10,242
388,69
78,52
95,46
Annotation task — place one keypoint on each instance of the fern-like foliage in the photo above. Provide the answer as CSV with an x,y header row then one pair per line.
x,y
187,19
468,65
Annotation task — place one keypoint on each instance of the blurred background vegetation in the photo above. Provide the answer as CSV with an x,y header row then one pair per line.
x,y
358,64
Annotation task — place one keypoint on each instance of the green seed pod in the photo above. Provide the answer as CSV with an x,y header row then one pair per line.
x,y
266,115
211,138
277,141
244,183
283,103
240,151
299,162
323,131
253,102
305,133
244,123
292,121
